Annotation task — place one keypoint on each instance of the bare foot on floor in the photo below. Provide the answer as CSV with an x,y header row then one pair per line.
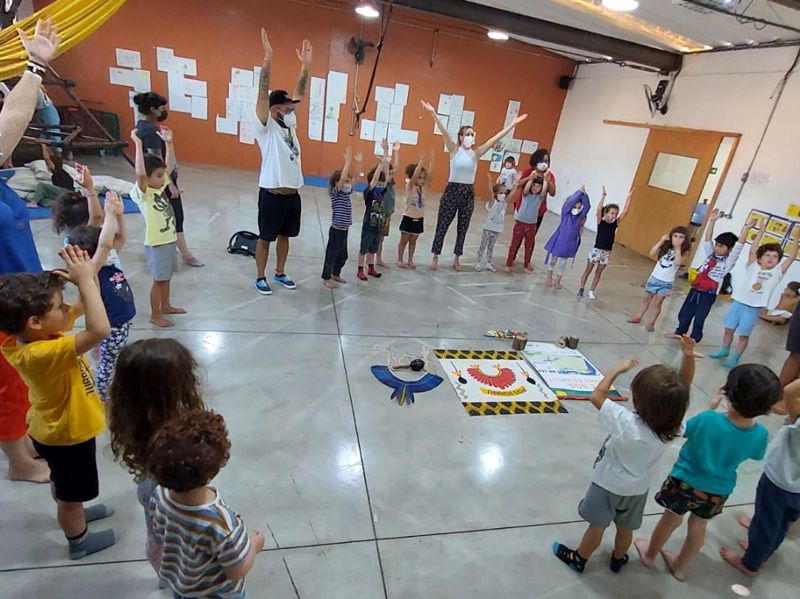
x,y
402,265
36,472
743,544
434,265
456,267
160,321
413,266
735,560
744,521
382,264
641,547
672,336
508,269
338,279
329,284
557,285
173,310
528,270
669,558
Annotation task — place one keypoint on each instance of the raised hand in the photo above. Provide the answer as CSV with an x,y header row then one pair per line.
x,y
113,203
79,264
86,177
385,147
396,146
715,214
166,134
626,365
428,107
358,157
42,47
305,53
265,43
688,345
665,237
519,119
604,191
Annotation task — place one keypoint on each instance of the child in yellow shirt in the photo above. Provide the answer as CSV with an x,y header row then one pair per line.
x,y
66,413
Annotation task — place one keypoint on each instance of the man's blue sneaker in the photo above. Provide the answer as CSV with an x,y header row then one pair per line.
x,y
285,281
262,287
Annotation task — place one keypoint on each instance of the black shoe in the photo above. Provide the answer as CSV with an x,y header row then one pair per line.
x,y
616,565
569,557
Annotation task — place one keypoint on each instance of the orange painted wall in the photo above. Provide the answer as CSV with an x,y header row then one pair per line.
x,y
221,35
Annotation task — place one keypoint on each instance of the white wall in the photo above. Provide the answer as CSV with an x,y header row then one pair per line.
x,y
728,91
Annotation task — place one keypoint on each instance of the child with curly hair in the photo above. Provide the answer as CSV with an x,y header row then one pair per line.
x,y
155,380
207,551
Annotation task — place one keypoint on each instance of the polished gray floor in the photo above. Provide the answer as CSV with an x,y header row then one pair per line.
x,y
357,496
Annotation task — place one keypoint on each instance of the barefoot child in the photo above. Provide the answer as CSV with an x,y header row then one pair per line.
x,y
372,226
114,289
206,549
636,443
66,413
705,473
508,174
155,380
527,197
341,189
669,252
566,239
763,275
778,493
493,225
721,257
388,202
608,219
159,223
417,178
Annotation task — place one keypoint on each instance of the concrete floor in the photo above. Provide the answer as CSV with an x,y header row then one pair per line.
x,y
361,498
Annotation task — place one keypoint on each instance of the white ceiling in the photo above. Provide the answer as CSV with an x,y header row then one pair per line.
x,y
715,30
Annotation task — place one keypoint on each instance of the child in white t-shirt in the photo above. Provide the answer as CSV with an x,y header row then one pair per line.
x,y
493,225
752,294
509,173
669,252
636,443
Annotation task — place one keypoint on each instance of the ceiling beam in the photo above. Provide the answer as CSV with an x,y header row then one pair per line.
x,y
547,31
795,4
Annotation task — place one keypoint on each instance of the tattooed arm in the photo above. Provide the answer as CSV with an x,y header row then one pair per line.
x,y
262,103
305,59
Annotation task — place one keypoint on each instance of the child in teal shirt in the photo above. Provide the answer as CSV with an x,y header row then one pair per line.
x,y
705,473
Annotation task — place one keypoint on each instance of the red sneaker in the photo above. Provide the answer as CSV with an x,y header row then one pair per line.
x,y
373,273
361,276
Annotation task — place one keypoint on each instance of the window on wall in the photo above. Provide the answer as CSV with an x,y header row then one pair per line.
x,y
672,172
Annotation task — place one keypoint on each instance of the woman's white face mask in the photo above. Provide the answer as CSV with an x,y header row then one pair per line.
x,y
501,197
469,141
542,166
576,211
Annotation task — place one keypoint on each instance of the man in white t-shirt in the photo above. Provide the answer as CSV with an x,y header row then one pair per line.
x,y
753,291
281,174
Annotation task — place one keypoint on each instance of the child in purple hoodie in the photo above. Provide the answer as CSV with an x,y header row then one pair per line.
x,y
566,239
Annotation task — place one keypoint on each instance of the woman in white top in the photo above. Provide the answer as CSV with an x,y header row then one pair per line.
x,y
459,195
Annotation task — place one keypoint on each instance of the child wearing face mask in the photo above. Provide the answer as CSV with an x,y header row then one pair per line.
x,y
527,197
341,188
374,217
565,241
493,225
417,177
388,203
508,174
752,293
608,217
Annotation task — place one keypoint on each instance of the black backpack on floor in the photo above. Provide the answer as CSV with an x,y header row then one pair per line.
x,y
244,243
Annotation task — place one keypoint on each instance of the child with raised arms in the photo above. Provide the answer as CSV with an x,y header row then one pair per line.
x,y
418,176
752,294
493,225
66,413
608,219
372,225
341,190
670,252
705,474
636,442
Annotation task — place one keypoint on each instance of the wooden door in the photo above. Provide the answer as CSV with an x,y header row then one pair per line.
x,y
666,198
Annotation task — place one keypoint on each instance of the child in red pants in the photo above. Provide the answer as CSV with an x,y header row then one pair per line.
x,y
527,197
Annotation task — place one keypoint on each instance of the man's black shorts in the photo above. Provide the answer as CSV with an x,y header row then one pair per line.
x,y
278,215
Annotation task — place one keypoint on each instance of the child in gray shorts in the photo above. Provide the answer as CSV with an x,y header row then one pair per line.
x,y
635,444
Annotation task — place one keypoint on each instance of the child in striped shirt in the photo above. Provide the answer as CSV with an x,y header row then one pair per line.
x,y
207,551
341,188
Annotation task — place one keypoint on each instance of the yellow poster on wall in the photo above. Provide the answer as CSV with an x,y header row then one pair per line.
x,y
759,217
793,211
778,226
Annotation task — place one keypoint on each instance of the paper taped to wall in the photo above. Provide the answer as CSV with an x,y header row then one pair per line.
x,y
444,104
331,133
529,147
383,112
443,120
199,108
247,133
315,129
367,130
401,94
381,131
337,87
187,66
119,76
141,80
195,87
228,126
396,114
241,77
384,95
408,138
468,118
164,59
130,59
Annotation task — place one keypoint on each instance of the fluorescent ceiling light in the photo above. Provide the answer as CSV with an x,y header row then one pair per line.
x,y
622,5
366,9
497,35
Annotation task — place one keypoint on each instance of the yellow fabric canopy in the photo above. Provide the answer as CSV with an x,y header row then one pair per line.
x,y
75,20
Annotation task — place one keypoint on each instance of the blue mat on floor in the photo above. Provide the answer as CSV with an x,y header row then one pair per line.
x,y
39,213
